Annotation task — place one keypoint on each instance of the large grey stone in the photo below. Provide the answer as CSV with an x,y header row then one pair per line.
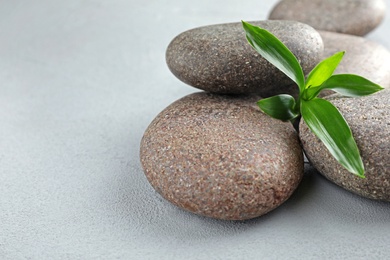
x,y
369,119
218,58
363,57
357,17
220,157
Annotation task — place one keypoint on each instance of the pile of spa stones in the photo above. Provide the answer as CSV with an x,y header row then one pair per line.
x,y
214,153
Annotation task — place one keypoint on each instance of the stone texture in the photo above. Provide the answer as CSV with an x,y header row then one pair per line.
x,y
363,57
218,58
220,157
357,17
369,119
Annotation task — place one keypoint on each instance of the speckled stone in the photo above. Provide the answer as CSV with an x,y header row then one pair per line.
x,y
220,157
357,17
369,119
218,58
363,57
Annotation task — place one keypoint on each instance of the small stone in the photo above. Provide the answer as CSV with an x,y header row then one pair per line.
x,y
362,57
357,17
369,119
220,157
218,58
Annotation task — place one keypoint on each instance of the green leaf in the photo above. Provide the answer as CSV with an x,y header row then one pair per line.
x,y
348,85
326,122
281,107
274,51
323,70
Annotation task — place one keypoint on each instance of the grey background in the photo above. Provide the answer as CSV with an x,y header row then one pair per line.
x,y
80,80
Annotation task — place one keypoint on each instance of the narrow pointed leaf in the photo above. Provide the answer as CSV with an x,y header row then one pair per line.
x,y
326,122
274,51
324,70
351,85
280,107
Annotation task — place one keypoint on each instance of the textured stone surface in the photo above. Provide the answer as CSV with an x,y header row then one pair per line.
x,y
357,17
369,119
218,58
220,157
363,57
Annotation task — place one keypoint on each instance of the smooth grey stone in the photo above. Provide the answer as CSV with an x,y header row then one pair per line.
x,y
218,58
362,57
357,17
220,157
369,119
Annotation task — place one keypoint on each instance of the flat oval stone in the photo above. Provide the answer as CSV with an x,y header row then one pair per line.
x,y
218,58
357,17
362,57
369,119
220,157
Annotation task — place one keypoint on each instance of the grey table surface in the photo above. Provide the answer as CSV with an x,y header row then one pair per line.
x,y
79,83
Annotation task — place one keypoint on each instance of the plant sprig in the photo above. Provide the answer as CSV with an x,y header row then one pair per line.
x,y
321,116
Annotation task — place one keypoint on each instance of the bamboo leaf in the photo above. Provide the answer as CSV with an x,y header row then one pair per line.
x,y
323,70
280,107
326,122
351,85
274,51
